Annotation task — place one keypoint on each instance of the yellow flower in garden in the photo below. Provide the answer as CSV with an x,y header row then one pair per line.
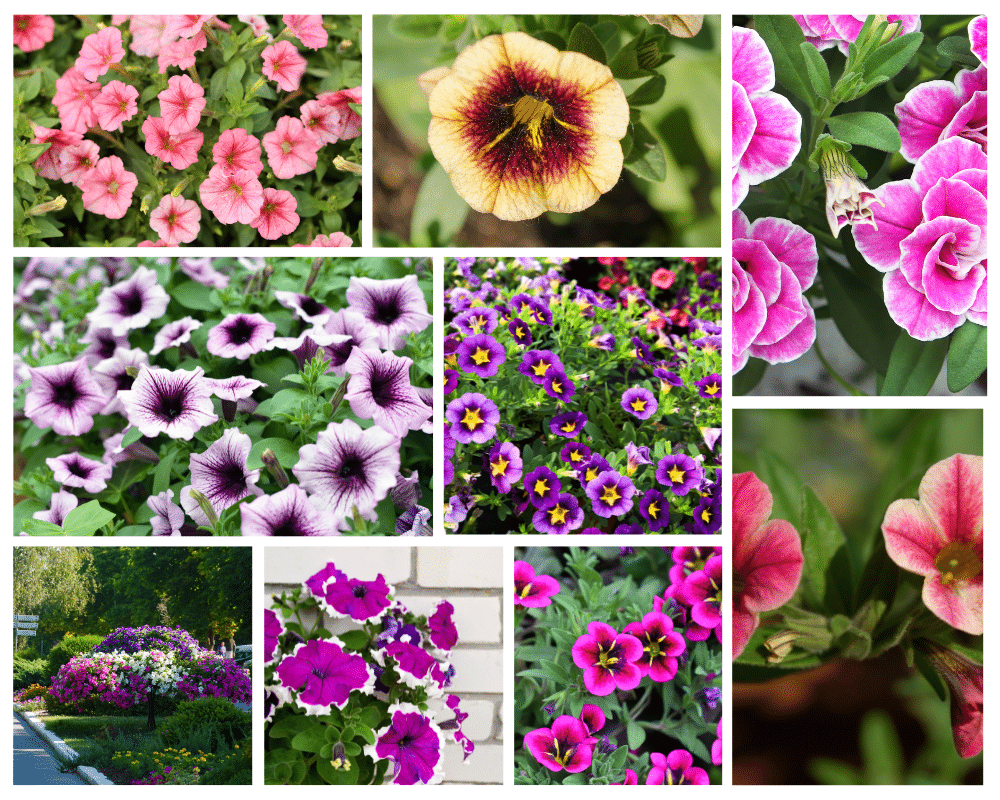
x,y
522,128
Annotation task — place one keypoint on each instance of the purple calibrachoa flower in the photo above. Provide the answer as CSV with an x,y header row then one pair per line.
x,y
931,241
655,510
767,129
480,354
592,717
675,769
710,386
444,635
380,390
473,418
639,402
75,470
680,473
575,454
174,334
505,465
348,468
607,659
273,628
177,403
520,331
567,745
450,380
64,397
535,364
592,468
324,675
130,304
707,515
362,601
289,512
558,385
531,590
168,516
568,424
561,518
661,645
478,320
636,456
395,307
240,336
61,504
774,262
610,494
543,487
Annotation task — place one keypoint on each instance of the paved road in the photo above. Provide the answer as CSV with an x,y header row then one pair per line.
x,y
34,765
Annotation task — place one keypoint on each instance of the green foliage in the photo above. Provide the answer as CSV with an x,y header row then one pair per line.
x,y
69,647
28,672
219,719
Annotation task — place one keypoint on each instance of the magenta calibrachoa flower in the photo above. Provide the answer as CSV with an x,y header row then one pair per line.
x,y
567,745
937,110
940,536
473,418
661,645
531,590
675,769
413,742
702,591
608,659
64,397
323,675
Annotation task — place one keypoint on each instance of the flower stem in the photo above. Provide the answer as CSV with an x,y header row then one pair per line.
x,y
849,387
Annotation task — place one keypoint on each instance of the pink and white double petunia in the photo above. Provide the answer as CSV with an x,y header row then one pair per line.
x,y
829,30
940,536
931,241
767,129
937,110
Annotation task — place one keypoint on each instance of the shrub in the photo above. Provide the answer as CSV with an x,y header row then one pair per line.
x,y
28,672
224,721
70,646
235,769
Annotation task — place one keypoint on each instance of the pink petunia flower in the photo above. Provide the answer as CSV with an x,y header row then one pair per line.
x,y
115,104
291,149
236,150
47,164
186,25
965,680
937,110
323,121
350,121
74,99
829,30
284,65
181,104
337,239
774,262
99,51
149,34
767,129
940,536
767,558
308,29
179,150
277,214
180,53
257,23
77,160
33,31
176,219
232,198
107,188
977,38
608,659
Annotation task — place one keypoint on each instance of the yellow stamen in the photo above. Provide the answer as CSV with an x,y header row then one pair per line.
x,y
541,486
472,418
557,515
481,356
676,474
610,495
499,467
958,562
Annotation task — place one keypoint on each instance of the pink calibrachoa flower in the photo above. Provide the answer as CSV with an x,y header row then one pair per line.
x,y
931,241
291,149
349,126
77,160
236,150
567,745
74,99
937,110
675,769
99,51
531,590
284,65
181,104
965,680
47,164
767,557
608,659
977,38
176,219
108,187
277,214
236,197
661,645
767,129
826,30
180,150
115,105
308,29
33,31
774,262
940,536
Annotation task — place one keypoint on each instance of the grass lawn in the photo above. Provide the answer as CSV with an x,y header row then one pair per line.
x,y
80,733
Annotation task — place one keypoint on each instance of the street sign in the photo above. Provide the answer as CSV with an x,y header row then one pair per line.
x,y
26,632
25,618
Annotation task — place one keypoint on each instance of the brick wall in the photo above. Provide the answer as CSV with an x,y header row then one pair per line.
x,y
471,579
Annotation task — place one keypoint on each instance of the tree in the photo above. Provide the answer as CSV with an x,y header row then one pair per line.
x,y
56,583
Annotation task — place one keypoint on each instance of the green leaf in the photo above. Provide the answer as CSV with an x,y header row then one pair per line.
x,y
649,92
161,477
826,572
786,488
286,453
881,750
310,740
887,60
956,49
647,159
784,39
636,735
583,40
131,437
193,295
747,378
913,366
819,72
831,772
966,355
555,673
416,26
439,212
867,128
85,520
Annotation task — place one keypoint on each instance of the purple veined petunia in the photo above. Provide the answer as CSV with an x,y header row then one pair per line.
x,y
221,474
358,332
702,591
639,402
316,584
575,454
362,601
64,397
289,512
680,473
168,517
444,635
661,645
413,742
307,345
610,494
505,466
567,745
607,659
531,590
240,336
557,385
543,487
101,344
113,375
520,331
304,307
940,536
536,363
348,468
273,629
675,769
379,389
568,424
77,471
323,675
130,304
473,418
177,403
480,354
61,503
174,334
233,389
561,518
655,510
474,321
395,307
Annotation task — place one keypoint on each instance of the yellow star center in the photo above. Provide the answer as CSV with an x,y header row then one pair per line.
x,y
575,455
638,405
610,495
540,367
557,515
481,356
472,419
541,486
676,474
712,389
556,387
499,467
653,510
568,427
519,332
591,473
706,515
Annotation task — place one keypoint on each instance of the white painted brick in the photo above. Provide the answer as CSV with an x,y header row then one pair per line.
x,y
477,670
295,564
485,765
477,619
479,725
468,567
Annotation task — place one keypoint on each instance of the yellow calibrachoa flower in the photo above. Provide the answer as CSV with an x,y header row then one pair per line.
x,y
522,128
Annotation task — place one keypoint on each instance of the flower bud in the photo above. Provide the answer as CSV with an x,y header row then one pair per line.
x,y
206,506
44,208
965,679
848,200
277,471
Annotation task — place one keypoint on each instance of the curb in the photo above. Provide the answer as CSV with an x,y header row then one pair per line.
x,y
88,774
